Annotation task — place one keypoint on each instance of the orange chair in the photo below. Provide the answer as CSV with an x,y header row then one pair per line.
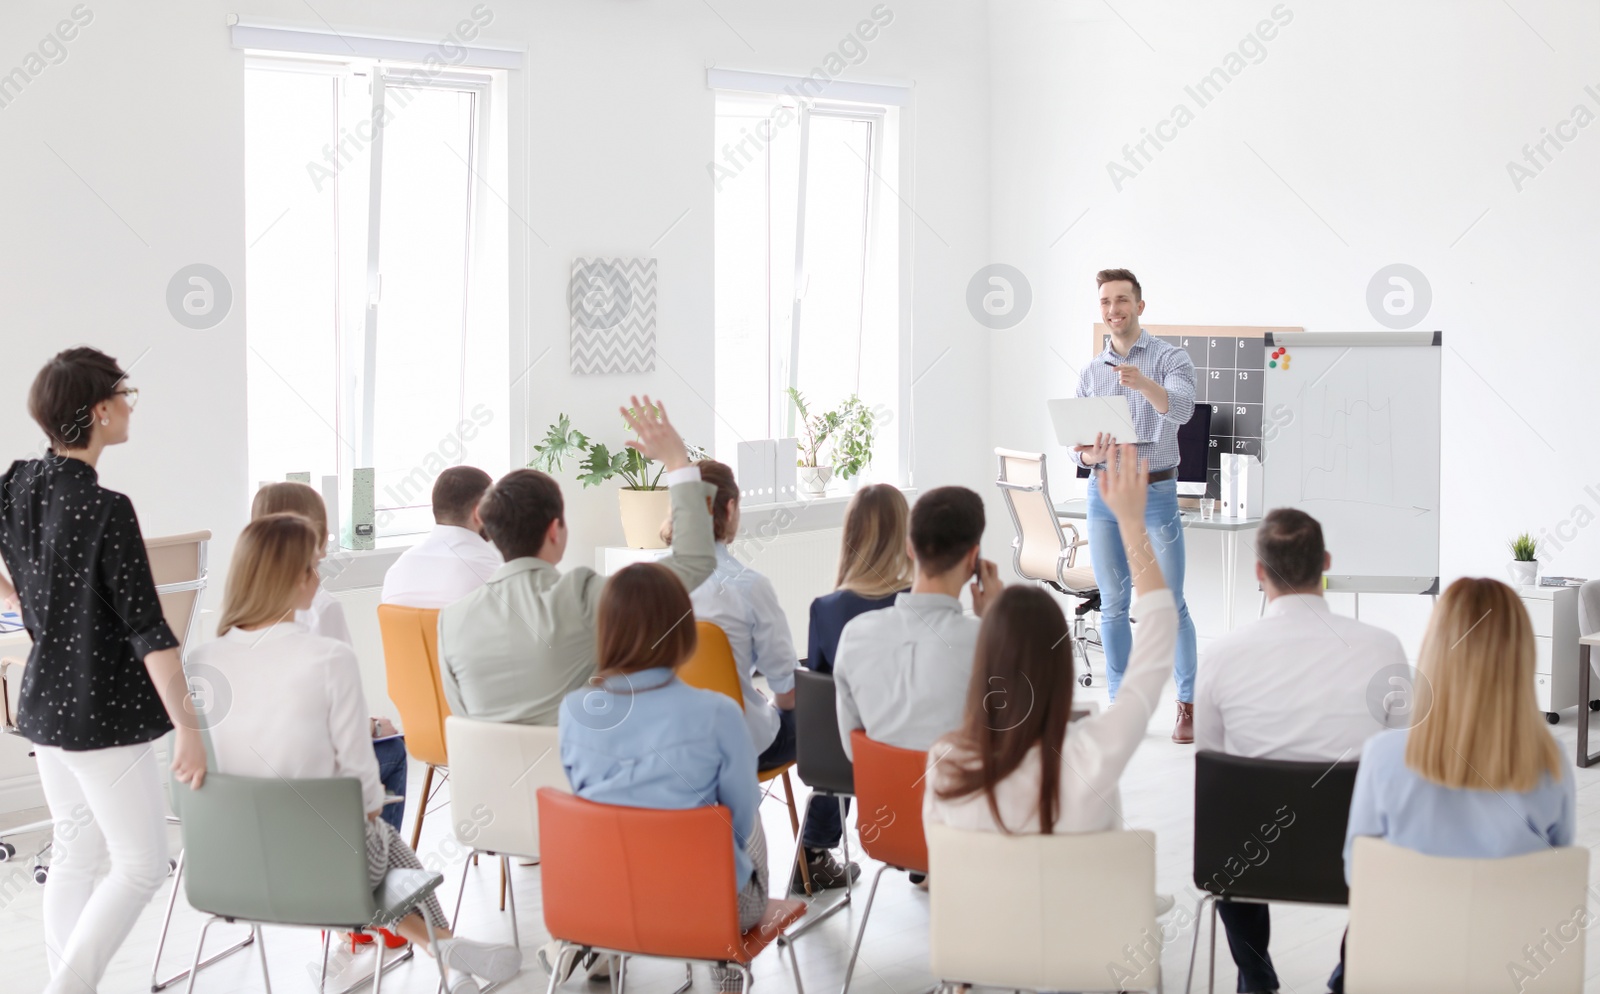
x,y
411,661
889,785
608,889
712,667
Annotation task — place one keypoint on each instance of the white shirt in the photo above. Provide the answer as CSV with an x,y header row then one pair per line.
x,y
447,565
1093,755
325,617
1294,684
287,703
901,673
745,606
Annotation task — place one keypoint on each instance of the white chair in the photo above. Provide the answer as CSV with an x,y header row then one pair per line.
x,y
1429,923
1044,912
496,770
1043,550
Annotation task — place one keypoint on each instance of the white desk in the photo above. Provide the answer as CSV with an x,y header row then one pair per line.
x,y
1227,529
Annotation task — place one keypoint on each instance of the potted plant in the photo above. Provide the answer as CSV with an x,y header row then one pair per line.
x,y
850,427
644,502
1524,567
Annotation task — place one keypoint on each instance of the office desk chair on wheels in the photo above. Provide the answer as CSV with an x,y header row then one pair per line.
x,y
1042,550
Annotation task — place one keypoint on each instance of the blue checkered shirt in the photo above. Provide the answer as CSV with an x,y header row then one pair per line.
x,y
1169,366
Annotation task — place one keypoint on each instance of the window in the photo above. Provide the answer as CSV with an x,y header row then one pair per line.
x,y
806,267
376,269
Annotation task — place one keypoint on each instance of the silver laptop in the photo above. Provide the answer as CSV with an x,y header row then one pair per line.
x,y
1079,419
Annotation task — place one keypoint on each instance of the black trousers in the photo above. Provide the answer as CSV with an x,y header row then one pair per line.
x,y
1249,928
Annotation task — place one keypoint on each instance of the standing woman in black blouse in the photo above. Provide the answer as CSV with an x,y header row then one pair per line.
x,y
104,681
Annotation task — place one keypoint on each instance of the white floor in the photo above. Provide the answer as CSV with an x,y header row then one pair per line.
x,y
1157,794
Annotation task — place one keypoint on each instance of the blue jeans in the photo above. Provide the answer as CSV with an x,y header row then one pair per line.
x,y
1111,575
392,771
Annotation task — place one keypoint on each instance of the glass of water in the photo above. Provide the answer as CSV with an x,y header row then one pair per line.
x,y
1208,508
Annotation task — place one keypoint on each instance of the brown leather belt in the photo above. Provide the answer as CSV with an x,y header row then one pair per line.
x,y
1164,474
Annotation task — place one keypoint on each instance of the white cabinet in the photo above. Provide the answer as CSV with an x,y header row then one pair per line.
x,y
1554,613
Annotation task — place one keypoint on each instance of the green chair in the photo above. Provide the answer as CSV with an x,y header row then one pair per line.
x,y
289,852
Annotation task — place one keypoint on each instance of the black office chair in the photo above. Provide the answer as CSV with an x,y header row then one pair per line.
x,y
821,763
1267,830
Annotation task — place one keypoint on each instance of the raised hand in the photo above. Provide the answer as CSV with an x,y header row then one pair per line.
x,y
657,440
1124,484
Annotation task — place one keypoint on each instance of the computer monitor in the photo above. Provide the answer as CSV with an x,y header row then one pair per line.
x,y
1194,452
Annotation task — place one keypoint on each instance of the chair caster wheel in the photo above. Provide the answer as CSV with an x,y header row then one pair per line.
x,y
1087,680
1594,705
7,850
172,866
1554,718
41,874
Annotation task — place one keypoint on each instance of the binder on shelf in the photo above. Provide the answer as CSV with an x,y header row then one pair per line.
x,y
787,486
361,532
757,471
330,500
1241,485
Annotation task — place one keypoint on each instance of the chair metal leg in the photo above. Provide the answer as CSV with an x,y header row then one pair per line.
x,y
422,808
745,979
327,941
861,933
688,979
1211,985
505,869
555,972
800,854
622,974
794,964
462,890
812,921
377,978
261,947
433,947
160,983
502,884
794,825
1194,946
199,947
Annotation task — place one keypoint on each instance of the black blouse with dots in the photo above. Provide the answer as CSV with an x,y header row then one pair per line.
x,y
76,556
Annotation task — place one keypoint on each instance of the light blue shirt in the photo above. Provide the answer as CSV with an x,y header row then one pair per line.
x,y
744,604
1163,362
649,740
1392,802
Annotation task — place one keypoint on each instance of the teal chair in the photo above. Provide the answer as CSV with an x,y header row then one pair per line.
x,y
289,852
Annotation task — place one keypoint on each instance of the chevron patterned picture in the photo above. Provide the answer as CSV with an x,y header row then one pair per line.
x,y
613,307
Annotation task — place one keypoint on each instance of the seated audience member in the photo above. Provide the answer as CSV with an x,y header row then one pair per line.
x,y
1293,686
640,737
745,606
901,673
296,711
513,648
1015,765
873,569
455,559
325,617
1477,775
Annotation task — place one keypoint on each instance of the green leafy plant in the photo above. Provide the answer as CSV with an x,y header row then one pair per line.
x,y
597,462
1524,548
851,428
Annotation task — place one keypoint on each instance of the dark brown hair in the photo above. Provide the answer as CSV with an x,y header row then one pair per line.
x,y
1105,276
1289,545
1020,697
720,476
456,492
645,620
517,511
64,391
292,498
946,524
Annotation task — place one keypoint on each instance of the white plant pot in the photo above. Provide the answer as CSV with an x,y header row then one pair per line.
x,y
643,514
1523,574
814,480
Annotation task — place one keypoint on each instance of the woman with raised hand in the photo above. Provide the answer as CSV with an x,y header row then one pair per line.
x,y
104,680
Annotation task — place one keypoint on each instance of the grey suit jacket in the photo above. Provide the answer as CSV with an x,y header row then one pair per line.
x,y
515,647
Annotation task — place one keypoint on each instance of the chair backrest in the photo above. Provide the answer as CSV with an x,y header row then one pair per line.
x,y
624,878
889,786
496,770
712,667
411,662
1040,550
820,757
178,566
1472,925
1043,912
1271,829
274,850
1589,607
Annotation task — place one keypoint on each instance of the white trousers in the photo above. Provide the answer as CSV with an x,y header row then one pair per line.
x,y
109,856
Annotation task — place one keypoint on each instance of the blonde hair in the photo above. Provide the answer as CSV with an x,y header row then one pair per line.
x,y
1480,728
273,555
295,498
873,561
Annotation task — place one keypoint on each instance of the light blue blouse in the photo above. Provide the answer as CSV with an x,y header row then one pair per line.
x,y
1395,804
651,741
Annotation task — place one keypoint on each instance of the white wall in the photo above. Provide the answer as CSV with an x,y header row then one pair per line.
x,y
124,162
1371,133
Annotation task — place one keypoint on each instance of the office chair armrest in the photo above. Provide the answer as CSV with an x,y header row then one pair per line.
x,y
1074,543
8,718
